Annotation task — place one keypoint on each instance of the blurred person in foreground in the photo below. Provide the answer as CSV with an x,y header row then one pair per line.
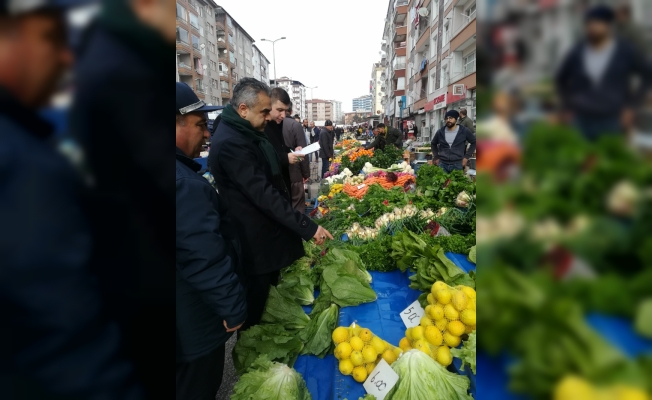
x,y
594,81
449,150
59,345
121,73
627,29
210,300
247,172
326,150
300,170
465,120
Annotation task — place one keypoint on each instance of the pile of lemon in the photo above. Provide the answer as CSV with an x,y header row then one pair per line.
x,y
450,314
359,351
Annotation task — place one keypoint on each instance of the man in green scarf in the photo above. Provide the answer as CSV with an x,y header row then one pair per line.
x,y
248,175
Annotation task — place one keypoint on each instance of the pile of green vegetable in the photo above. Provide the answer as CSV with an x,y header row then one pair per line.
x,y
272,381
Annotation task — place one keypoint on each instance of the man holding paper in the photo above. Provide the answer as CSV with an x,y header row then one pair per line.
x,y
299,172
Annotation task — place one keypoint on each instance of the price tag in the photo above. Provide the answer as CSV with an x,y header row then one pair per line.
x,y
381,380
411,316
361,186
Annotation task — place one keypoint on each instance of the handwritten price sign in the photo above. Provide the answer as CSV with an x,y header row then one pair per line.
x,y
411,316
381,380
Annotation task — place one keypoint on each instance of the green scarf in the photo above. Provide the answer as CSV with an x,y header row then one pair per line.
x,y
231,117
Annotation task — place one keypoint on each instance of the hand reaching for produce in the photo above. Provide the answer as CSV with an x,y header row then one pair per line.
x,y
231,329
321,235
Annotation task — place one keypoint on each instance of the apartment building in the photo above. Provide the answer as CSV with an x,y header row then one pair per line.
x,y
338,117
319,110
297,92
362,103
214,51
378,89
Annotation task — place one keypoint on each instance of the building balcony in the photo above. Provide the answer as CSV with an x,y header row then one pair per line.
x,y
221,43
464,34
400,34
225,91
199,71
200,90
185,69
183,47
466,20
424,39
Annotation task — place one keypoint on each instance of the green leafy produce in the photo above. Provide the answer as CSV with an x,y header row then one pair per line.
x,y
323,301
472,255
349,261
467,352
269,339
280,310
298,286
643,322
354,166
374,254
317,335
385,158
455,243
422,378
347,289
271,381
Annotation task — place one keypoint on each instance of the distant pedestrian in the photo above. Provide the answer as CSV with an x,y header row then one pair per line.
x,y
465,120
326,152
316,131
449,144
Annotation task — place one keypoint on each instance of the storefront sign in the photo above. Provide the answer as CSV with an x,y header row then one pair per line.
x,y
421,111
440,102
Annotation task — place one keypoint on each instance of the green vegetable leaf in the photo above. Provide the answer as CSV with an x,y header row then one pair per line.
x,y
317,335
280,310
271,340
467,352
270,381
472,255
298,286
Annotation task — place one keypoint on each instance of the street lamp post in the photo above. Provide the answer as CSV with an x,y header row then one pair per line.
x,y
273,55
314,87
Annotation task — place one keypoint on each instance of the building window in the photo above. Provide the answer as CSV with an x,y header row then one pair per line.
x,y
444,36
469,13
201,31
231,42
435,10
213,65
229,22
433,47
194,21
182,14
182,35
199,85
213,83
444,77
232,57
195,41
210,28
469,64
240,50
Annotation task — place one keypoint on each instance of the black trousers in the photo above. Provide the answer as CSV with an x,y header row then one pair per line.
x,y
201,379
257,293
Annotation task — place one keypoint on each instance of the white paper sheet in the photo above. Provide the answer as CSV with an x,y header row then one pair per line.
x,y
309,149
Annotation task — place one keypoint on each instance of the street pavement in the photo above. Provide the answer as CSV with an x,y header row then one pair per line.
x,y
229,378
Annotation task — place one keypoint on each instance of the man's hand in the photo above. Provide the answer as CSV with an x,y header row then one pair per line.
x,y
321,235
437,162
627,119
298,149
294,158
232,329
305,180
464,161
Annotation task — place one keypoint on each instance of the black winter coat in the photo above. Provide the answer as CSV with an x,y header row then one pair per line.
x,y
270,230
326,139
208,289
274,132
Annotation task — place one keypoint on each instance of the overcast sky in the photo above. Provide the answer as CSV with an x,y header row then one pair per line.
x,y
349,31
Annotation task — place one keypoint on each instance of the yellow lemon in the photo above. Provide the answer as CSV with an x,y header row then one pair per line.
x,y
439,285
355,330
573,388
397,351
356,343
428,308
366,335
404,344
378,344
442,324
469,328
459,300
433,336
469,292
443,296
456,328
468,317
450,340
426,321
343,351
451,313
471,305
346,367
417,333
389,356
431,299
369,367
340,334
356,358
423,346
360,374
444,356
369,354
436,312
408,333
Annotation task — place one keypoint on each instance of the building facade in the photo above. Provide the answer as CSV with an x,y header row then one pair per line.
x,y
338,117
393,58
362,103
214,51
297,92
319,110
378,89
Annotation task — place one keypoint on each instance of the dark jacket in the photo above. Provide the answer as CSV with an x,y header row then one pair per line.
x,y
274,132
57,344
294,137
441,150
317,133
326,142
208,288
581,96
466,122
129,155
269,229
379,142
395,137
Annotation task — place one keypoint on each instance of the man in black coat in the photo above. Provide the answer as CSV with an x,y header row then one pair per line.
x,y
121,72
326,152
247,171
449,146
57,344
299,170
594,81
210,301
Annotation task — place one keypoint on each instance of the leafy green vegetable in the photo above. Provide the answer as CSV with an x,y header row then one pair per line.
x,y
317,335
271,340
323,301
643,322
271,381
346,289
280,310
467,352
472,255
385,158
349,261
374,254
298,286
422,378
